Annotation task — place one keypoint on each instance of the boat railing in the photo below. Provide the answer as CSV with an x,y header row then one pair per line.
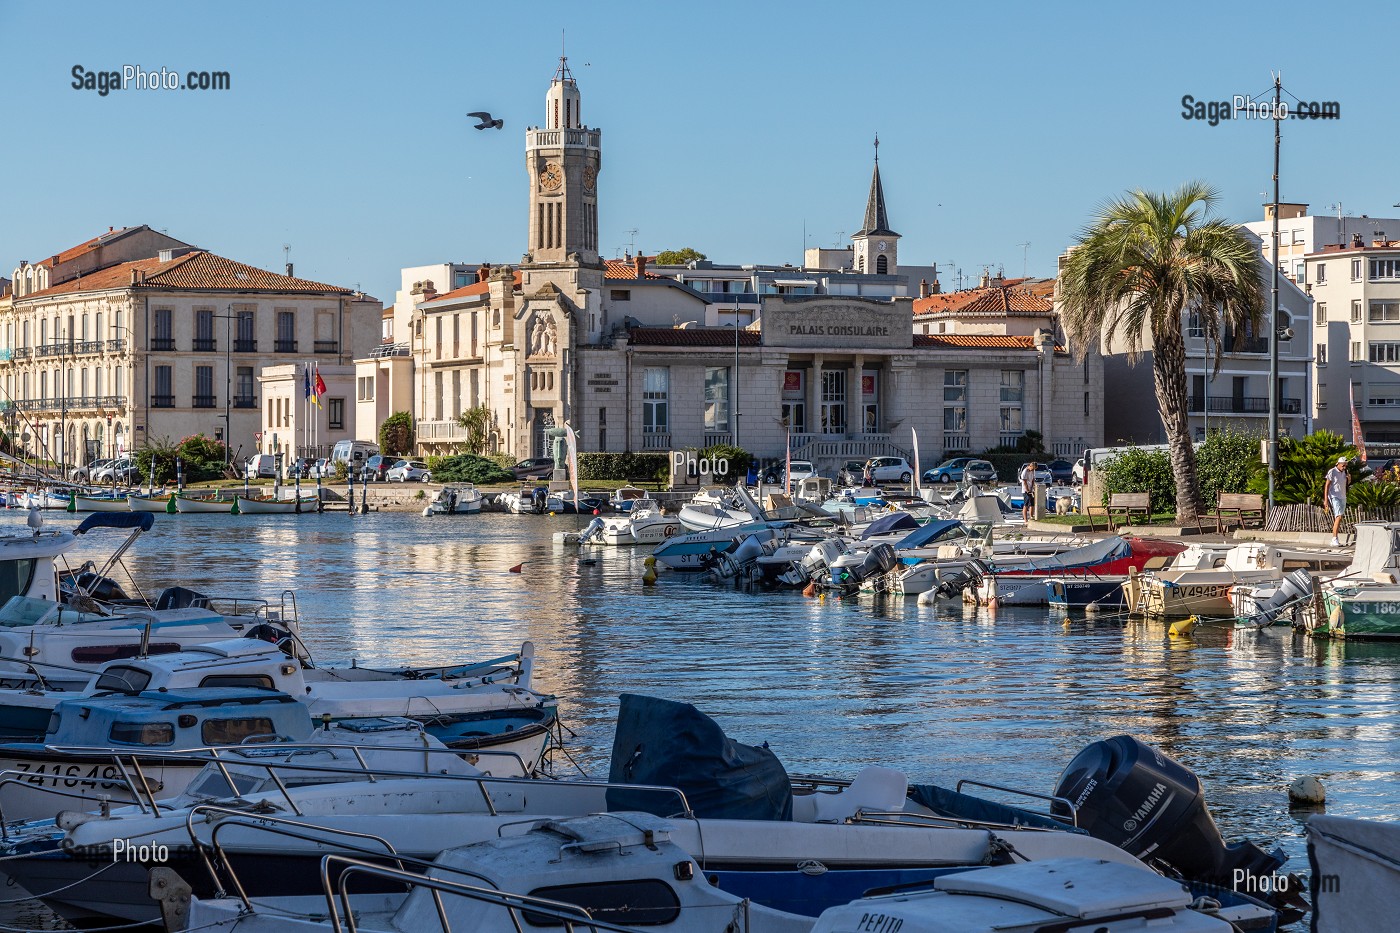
x,y
523,909
1069,805
133,777
925,820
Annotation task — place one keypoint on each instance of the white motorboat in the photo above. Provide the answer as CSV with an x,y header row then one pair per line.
x,y
1355,882
715,508
1019,579
643,524
628,498
1363,600
1198,581
530,499
455,499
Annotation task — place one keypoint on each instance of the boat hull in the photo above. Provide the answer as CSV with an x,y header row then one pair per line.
x,y
1071,593
148,503
1366,616
277,506
100,504
186,504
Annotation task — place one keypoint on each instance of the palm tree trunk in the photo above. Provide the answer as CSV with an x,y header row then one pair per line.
x,y
1169,381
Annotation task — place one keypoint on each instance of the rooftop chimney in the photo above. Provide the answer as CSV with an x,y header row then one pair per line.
x,y
639,265
483,272
985,281
289,270
923,288
429,290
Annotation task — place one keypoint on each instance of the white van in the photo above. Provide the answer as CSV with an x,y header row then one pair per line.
x,y
356,452
261,466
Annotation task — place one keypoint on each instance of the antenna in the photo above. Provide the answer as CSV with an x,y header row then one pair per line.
x,y
632,242
1025,251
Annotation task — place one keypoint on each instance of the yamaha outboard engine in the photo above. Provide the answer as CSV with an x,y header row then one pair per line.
x,y
1151,806
594,529
539,499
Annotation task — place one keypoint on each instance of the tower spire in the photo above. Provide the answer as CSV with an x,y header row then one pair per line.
x,y
876,220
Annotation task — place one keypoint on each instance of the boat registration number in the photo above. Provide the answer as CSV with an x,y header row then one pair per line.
x,y
1384,609
69,775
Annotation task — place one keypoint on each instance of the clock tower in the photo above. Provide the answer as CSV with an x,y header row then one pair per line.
x,y
876,245
562,159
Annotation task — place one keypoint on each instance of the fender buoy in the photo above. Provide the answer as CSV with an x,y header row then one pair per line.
x,y
517,568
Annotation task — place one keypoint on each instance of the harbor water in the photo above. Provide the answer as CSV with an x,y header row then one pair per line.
x,y
944,692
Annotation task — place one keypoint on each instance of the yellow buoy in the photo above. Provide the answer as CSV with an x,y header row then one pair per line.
x,y
1181,628
649,575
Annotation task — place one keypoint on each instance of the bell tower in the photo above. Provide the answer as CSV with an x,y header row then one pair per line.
x,y
876,245
563,158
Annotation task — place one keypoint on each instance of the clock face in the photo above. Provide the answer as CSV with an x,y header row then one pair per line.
x,y
590,177
552,176
882,246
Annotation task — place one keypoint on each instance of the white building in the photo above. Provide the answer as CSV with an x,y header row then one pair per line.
x,y
1301,233
293,425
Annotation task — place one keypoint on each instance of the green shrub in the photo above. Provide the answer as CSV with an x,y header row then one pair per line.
x,y
503,460
468,468
342,470
1374,496
1302,468
203,459
396,435
615,466
1225,462
737,457
1137,470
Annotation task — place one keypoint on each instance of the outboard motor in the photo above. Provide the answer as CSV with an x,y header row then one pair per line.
x,y
1151,806
879,559
1295,586
594,529
968,575
539,499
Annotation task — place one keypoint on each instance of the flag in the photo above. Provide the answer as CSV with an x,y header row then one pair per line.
x,y
915,432
306,382
1358,440
319,388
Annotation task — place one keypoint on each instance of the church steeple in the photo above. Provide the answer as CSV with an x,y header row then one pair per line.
x,y
876,245
563,158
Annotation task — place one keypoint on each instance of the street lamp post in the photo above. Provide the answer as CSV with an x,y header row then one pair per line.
x,y
228,383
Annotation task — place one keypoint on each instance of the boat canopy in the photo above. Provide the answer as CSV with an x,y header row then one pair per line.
x,y
1376,545
928,533
141,520
895,521
662,742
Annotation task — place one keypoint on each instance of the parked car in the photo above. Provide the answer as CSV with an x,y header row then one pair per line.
x,y
1061,472
890,469
409,471
800,470
261,466
376,468
83,474
301,467
852,473
120,471
949,471
534,468
1041,473
324,468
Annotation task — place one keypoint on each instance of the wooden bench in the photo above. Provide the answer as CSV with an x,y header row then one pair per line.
x,y
1126,504
648,480
1242,505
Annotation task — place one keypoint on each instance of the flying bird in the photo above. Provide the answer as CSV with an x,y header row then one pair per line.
x,y
486,122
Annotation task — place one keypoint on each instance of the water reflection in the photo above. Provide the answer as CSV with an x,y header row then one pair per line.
x,y
940,691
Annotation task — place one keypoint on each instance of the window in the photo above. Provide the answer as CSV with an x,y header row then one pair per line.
x,y
1320,312
1320,273
204,329
164,395
366,388
1385,352
656,390
245,388
1356,270
1321,354
245,343
204,387
1384,396
142,733
286,332
163,338
1297,237
15,577
253,681
1385,269
1356,311
1086,404
1195,327
123,680
1355,356
955,401
717,398
1322,395
1012,385
833,411
1300,272
1384,312
335,413
620,294
234,731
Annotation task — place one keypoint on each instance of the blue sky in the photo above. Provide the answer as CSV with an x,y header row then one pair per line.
x,y
726,126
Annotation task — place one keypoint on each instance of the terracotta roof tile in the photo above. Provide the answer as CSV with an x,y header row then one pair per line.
x,y
626,269
999,299
979,341
692,337
476,288
195,271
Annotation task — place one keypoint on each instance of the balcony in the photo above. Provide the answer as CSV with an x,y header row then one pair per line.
x,y
204,401
718,437
21,353
53,349
86,347
1243,405
326,346
432,431
204,344
284,346
245,401
162,401
957,442
162,343
1010,438
245,346
656,440
117,345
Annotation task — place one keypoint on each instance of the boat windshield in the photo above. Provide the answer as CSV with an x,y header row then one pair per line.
x,y
15,577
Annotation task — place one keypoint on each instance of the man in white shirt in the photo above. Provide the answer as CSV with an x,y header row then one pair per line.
x,y
1027,479
1335,492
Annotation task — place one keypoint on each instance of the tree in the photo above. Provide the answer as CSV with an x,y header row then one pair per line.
x,y
396,434
478,422
677,257
1145,261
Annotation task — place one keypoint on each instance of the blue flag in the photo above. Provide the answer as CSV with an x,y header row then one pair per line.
x,y
306,376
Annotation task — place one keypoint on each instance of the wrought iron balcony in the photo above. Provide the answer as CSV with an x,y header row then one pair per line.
x,y
284,346
204,344
116,345
204,401
162,343
327,346
245,346
245,401
162,401
1243,405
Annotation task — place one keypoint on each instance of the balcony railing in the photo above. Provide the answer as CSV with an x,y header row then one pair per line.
x,y
162,401
70,403
718,437
389,349
204,344
22,353
116,345
957,442
53,349
245,401
162,343
204,401
245,346
656,440
441,431
284,346
326,346
1010,438
1243,405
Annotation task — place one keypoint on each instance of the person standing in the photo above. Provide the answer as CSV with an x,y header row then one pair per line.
x,y
1027,478
1334,490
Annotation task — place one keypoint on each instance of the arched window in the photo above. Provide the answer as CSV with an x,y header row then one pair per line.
x,y
882,265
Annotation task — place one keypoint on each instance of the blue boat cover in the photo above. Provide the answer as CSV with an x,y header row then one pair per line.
x,y
929,532
895,521
661,742
950,803
142,520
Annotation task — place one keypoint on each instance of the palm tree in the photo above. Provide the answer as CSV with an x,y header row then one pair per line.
x,y
1146,260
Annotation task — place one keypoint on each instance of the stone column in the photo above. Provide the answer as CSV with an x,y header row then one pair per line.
x,y
855,407
814,396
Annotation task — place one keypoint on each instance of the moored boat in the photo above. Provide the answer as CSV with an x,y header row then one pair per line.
x,y
111,503
1199,580
1363,600
185,503
270,506
455,499
161,502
